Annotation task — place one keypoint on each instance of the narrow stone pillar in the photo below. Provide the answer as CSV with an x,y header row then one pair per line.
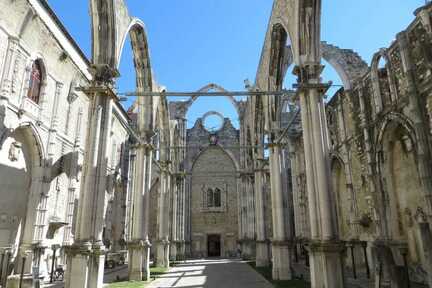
x,y
174,218
139,246
6,83
162,252
325,247
262,249
86,255
280,245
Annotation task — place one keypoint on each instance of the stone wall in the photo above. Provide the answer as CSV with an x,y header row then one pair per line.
x,y
381,151
42,144
212,163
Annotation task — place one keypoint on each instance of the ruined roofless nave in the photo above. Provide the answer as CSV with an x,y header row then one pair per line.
x,y
337,193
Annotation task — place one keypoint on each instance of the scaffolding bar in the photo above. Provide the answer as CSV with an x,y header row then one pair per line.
x,y
206,94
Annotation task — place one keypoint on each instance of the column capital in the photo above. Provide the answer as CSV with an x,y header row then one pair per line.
x,y
326,246
138,244
308,72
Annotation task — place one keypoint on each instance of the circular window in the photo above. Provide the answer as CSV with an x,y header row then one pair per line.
x,y
213,121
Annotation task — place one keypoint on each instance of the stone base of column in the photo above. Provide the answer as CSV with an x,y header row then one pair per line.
x,y
326,264
139,256
162,253
248,249
181,254
188,249
14,280
262,254
281,253
86,266
173,251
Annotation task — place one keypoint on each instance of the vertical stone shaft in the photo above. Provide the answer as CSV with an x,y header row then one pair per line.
x,y
86,264
262,252
280,245
325,249
162,259
174,223
139,245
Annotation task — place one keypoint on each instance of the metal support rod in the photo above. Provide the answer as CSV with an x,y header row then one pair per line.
x,y
353,261
306,252
9,255
206,94
380,274
1,266
364,245
404,255
24,259
52,264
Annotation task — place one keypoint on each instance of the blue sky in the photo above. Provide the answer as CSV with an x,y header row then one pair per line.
x,y
196,42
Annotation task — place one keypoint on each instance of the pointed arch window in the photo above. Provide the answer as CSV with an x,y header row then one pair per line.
x,y
35,83
214,198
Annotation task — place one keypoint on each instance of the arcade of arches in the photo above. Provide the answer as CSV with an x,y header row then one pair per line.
x,y
339,193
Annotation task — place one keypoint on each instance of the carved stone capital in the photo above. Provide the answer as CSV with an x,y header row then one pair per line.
x,y
326,246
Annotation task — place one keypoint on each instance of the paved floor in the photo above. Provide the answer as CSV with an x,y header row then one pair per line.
x,y
211,274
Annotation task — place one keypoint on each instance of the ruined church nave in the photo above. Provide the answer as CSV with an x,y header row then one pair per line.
x,y
322,182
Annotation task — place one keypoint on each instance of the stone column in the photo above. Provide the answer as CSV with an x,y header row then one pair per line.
x,y
325,248
139,245
73,182
162,253
86,256
174,218
280,245
31,220
183,218
262,249
248,250
6,80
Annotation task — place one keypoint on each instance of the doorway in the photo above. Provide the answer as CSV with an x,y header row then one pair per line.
x,y
214,245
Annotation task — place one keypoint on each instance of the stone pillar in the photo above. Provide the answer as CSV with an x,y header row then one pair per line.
x,y
6,80
86,256
174,218
162,252
73,182
280,245
139,245
262,249
325,248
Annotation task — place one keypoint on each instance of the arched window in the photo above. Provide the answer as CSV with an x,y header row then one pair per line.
x,y
35,83
210,198
217,198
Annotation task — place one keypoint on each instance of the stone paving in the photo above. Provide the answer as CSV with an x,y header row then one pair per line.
x,y
211,274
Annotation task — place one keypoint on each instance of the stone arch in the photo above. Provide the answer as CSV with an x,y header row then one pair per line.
x,y
341,196
378,90
226,151
104,32
162,123
397,163
347,63
31,132
207,88
22,162
111,23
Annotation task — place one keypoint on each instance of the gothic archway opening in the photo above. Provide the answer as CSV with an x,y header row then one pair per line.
x,y
401,187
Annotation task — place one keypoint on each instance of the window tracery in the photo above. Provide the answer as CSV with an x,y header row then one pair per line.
x,y
213,199
35,82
